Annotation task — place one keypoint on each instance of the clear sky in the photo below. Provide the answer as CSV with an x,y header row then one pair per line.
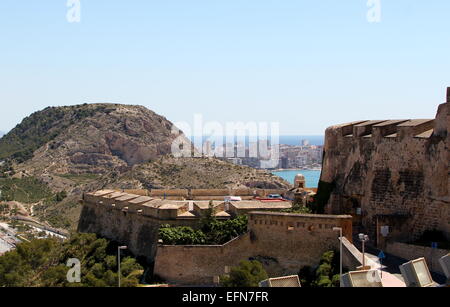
x,y
307,64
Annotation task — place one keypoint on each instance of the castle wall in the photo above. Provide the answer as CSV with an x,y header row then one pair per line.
x,y
412,252
139,231
134,219
397,172
282,242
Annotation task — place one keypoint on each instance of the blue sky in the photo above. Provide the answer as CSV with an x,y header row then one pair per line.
x,y
307,64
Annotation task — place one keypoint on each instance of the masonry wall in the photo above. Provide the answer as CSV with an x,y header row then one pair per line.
x,y
397,172
412,252
139,232
282,242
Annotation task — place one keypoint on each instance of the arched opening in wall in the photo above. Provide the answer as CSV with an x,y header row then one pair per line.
x,y
351,205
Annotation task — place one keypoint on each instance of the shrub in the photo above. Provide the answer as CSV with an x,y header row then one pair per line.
x,y
327,257
212,232
181,235
325,275
336,280
42,263
324,282
247,274
324,269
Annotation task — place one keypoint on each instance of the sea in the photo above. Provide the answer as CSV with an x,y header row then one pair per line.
x,y
296,140
312,177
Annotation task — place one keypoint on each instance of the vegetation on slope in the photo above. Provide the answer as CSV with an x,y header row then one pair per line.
x,y
43,263
48,205
201,173
40,128
25,190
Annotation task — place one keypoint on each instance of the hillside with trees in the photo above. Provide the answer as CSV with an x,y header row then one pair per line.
x,y
43,263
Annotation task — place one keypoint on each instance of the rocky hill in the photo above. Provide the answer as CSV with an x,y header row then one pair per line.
x,y
70,150
94,139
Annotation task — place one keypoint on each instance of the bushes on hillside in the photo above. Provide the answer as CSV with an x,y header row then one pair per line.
x,y
247,274
40,128
25,190
42,263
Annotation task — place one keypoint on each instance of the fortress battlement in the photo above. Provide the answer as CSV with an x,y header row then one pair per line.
x,y
164,209
391,130
134,219
391,173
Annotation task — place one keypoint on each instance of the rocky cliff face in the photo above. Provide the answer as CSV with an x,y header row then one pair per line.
x,y
396,171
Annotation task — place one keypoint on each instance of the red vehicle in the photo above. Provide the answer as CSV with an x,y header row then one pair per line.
x,y
272,198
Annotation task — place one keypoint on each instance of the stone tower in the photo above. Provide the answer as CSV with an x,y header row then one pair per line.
x,y
299,181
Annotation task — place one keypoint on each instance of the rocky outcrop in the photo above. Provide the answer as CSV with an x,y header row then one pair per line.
x,y
115,139
395,171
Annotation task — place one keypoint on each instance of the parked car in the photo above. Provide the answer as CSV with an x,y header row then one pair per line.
x,y
275,196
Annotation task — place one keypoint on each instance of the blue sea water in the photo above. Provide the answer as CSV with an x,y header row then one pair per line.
x,y
296,140
312,176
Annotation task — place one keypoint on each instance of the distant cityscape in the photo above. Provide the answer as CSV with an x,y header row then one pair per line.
x,y
294,152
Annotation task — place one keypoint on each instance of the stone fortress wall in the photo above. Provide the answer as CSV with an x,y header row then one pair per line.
x,y
391,173
282,242
134,219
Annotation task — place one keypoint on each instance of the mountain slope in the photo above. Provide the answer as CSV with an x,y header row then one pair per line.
x,y
196,173
76,149
82,139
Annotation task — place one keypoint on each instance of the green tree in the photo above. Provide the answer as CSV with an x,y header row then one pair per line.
x,y
42,263
326,271
208,218
247,274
